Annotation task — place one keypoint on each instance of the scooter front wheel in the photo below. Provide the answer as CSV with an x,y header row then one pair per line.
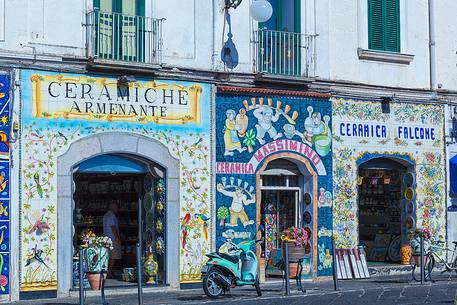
x,y
211,288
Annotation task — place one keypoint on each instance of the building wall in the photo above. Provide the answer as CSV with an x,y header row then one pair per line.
x,y
426,155
51,126
243,150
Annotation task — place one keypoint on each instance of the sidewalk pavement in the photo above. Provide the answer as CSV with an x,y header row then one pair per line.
x,y
399,289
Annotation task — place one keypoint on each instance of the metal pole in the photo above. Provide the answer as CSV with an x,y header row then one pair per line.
x,y
139,274
335,274
422,261
81,277
286,267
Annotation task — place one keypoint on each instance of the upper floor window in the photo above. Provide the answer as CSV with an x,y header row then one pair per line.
x,y
125,7
384,25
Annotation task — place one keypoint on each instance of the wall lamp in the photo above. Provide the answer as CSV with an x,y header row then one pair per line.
x,y
260,10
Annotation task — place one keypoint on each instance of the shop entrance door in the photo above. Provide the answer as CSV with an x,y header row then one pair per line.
x,y
381,216
127,193
280,210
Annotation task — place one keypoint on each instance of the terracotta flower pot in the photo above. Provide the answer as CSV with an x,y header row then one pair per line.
x,y
293,270
95,280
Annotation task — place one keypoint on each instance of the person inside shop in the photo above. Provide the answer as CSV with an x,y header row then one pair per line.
x,y
111,230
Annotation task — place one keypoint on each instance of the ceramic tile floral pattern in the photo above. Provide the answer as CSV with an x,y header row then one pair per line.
x,y
359,132
43,141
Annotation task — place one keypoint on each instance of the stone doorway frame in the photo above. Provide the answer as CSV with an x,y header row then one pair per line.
x,y
109,143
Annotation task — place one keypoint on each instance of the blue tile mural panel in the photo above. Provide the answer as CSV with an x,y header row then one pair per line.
x,y
4,182
253,130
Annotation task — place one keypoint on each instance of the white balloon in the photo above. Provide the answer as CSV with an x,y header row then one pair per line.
x,y
261,10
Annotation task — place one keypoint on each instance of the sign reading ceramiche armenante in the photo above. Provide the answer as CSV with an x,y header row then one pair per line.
x,y
98,98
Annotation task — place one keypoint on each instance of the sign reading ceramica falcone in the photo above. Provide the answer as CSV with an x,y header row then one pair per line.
x,y
99,98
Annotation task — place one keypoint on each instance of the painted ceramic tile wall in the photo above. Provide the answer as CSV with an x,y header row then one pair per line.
x,y
56,114
4,183
253,130
411,132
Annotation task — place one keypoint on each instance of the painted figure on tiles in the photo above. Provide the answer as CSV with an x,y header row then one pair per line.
x,y
317,131
231,140
239,200
265,120
325,198
242,122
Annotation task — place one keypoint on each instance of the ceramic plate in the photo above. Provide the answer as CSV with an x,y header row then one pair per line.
x,y
307,218
148,183
147,201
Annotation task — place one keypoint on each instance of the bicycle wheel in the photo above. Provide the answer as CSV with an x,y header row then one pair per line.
x,y
429,265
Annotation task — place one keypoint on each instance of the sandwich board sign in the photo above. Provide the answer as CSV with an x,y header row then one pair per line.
x,y
351,264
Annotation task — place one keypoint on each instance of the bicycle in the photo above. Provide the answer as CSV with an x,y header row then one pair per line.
x,y
435,253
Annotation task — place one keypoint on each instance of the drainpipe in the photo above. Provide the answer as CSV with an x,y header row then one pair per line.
x,y
214,34
431,38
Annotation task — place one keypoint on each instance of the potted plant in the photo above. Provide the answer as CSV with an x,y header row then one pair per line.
x,y
96,256
415,240
298,240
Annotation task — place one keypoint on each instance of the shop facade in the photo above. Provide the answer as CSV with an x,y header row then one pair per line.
x,y
389,174
274,172
89,142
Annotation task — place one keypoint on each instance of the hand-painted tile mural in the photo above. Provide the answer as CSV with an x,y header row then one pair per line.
x,y
411,135
252,132
4,183
59,109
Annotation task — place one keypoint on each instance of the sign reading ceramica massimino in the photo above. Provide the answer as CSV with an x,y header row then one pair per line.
x,y
90,98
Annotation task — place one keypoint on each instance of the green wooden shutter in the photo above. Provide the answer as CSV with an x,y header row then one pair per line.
x,y
392,25
384,25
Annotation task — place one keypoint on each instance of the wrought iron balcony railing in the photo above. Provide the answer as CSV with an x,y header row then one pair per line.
x,y
119,37
284,53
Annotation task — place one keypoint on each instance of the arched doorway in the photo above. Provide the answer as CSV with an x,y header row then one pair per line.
x,y
134,146
123,197
287,192
386,208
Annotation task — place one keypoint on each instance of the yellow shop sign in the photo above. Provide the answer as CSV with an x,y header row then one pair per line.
x,y
96,98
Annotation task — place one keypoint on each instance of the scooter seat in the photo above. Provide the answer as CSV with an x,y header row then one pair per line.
x,y
230,258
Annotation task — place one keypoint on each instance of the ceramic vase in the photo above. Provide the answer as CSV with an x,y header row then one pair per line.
x,y
405,254
150,268
96,259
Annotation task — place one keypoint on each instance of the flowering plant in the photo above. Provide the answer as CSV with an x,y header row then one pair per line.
x,y
418,233
89,240
298,235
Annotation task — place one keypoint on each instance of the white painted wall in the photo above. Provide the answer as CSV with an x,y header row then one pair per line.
x,y
55,27
446,43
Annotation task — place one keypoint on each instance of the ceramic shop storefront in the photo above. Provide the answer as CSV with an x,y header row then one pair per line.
x,y
388,173
89,143
274,171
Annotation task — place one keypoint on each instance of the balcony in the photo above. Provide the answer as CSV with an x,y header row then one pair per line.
x,y
118,37
284,53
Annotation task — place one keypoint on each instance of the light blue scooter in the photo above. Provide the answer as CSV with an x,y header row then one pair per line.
x,y
225,271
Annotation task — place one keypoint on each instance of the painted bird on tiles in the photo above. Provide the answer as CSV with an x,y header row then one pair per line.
x,y
198,142
186,219
62,136
184,238
39,188
203,220
35,256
